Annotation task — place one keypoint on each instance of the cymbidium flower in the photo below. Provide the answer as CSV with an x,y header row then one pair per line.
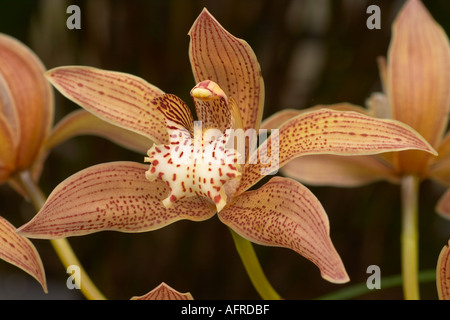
x,y
134,197
416,83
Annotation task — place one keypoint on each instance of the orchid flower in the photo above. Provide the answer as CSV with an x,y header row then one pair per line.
x,y
416,82
134,197
26,138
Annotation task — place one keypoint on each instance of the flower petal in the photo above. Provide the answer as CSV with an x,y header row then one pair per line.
x,y
30,95
278,118
443,273
111,196
164,292
217,55
20,252
284,213
418,81
439,167
119,98
443,205
329,132
7,148
339,171
81,122
175,112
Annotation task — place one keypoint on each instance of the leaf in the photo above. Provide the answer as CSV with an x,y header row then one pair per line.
x,y
164,292
20,252
284,213
111,196
217,55
443,273
329,132
119,98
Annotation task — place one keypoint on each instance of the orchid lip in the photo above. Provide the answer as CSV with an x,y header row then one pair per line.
x,y
194,167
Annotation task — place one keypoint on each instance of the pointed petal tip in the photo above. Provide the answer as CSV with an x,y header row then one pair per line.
x,y
443,273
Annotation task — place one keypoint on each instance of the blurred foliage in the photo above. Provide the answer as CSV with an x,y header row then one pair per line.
x,y
311,52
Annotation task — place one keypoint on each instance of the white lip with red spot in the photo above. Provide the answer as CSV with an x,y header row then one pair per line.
x,y
194,166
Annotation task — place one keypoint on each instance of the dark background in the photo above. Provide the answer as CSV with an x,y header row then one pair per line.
x,y
311,52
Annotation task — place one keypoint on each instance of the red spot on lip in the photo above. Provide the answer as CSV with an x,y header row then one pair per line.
x,y
155,162
217,198
173,198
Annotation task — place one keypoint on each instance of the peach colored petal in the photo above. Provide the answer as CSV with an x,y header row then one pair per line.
x,y
418,78
164,292
339,171
176,114
119,98
329,132
277,119
443,273
111,196
30,95
284,213
7,148
443,205
20,252
217,55
82,122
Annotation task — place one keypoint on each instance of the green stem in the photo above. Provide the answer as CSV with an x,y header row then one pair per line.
x,y
360,289
61,246
253,268
410,237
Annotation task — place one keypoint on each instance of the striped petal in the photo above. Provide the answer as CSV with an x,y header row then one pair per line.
x,y
284,213
164,292
119,98
217,55
20,252
175,112
339,171
418,78
443,205
329,132
443,273
26,98
81,122
111,196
